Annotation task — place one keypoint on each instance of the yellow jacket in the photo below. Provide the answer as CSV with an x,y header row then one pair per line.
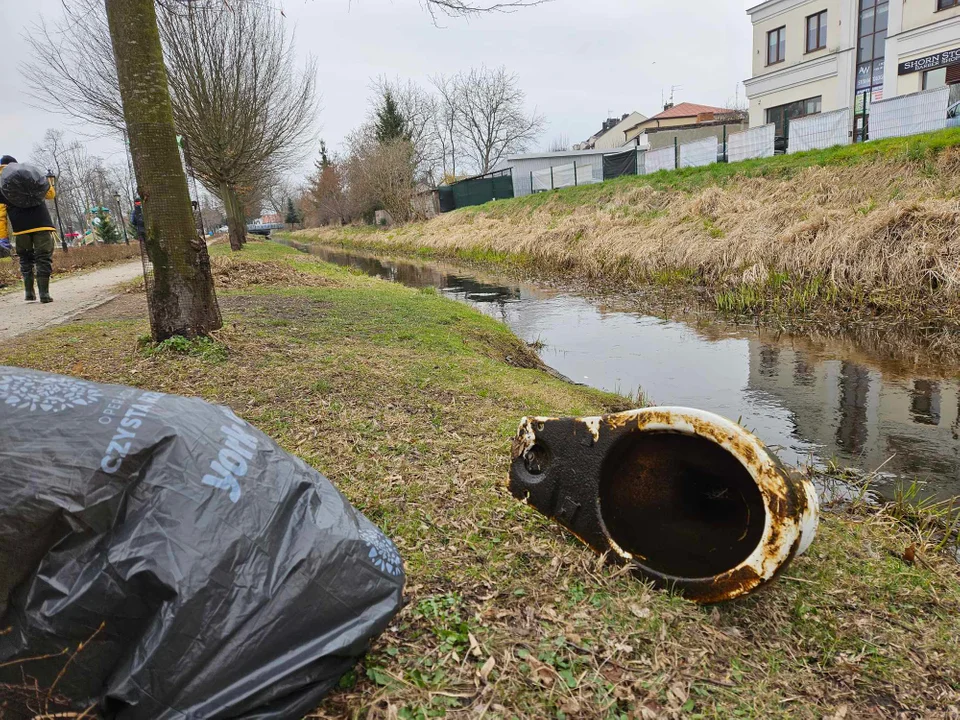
x,y
6,230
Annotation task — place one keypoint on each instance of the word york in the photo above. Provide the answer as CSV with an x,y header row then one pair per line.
x,y
230,466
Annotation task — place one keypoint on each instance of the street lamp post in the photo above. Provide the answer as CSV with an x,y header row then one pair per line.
x,y
123,221
51,178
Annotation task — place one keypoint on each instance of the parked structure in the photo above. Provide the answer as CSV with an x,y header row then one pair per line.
x,y
613,133
813,56
544,171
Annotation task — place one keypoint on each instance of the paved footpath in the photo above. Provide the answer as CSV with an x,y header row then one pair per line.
x,y
72,295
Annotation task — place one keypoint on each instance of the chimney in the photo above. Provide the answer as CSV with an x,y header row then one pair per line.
x,y
667,106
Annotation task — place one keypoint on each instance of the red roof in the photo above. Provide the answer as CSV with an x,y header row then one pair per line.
x,y
689,110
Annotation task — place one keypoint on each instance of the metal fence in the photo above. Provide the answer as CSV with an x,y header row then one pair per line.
x,y
699,153
754,143
913,114
820,131
656,160
561,176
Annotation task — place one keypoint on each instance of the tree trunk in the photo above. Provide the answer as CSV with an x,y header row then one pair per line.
x,y
237,230
180,293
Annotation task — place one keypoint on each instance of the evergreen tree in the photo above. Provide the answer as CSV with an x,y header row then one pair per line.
x,y
293,217
324,157
390,124
106,228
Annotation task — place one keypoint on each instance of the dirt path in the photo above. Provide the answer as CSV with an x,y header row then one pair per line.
x,y
71,295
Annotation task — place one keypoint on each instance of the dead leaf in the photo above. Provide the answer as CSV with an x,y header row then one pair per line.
x,y
570,706
909,556
487,668
642,613
474,645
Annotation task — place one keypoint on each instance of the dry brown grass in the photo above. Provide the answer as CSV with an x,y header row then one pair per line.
x,y
881,233
81,258
235,271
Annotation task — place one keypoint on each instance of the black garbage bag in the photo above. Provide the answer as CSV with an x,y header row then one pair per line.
x,y
208,573
24,185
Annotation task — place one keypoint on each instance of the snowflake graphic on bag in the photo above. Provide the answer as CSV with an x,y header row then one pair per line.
x,y
383,554
47,393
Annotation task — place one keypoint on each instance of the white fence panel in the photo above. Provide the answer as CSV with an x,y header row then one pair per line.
x,y
699,153
754,143
665,159
909,114
824,130
541,180
564,176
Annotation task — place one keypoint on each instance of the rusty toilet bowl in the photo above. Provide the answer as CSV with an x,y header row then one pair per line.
x,y
690,500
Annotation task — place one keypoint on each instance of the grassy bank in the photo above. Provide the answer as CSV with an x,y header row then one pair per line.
x,y
408,402
870,228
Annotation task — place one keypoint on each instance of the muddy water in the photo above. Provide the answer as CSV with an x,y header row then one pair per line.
x,y
810,403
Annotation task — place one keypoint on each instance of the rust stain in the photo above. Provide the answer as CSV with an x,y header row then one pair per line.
x,y
782,495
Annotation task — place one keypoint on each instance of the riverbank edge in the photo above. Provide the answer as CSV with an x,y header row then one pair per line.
x,y
362,373
908,344
766,298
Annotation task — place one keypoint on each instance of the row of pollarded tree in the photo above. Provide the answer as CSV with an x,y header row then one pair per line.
x,y
418,137
238,99
156,67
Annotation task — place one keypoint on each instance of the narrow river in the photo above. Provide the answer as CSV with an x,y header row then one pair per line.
x,y
811,404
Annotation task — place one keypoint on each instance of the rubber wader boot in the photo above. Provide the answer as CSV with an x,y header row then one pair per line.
x,y
43,283
28,287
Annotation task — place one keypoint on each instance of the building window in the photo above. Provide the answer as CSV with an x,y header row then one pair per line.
x,y
947,4
817,31
871,47
776,45
949,76
781,115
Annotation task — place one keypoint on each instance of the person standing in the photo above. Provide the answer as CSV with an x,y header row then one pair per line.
x,y
6,250
136,219
34,239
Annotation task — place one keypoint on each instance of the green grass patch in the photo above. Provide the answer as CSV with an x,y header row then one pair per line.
x,y
408,402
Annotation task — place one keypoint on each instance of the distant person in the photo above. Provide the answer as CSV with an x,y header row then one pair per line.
x,y
6,250
136,219
34,239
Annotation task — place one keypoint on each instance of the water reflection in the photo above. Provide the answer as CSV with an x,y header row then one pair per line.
x,y
809,402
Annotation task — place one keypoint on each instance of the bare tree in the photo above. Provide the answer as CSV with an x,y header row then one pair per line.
x,y
278,189
73,66
467,8
561,143
84,181
419,109
445,124
490,116
380,176
180,297
238,97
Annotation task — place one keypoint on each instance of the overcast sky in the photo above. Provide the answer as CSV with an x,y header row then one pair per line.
x,y
576,60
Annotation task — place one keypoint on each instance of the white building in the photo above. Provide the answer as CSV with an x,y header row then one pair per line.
x,y
613,133
544,171
812,56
